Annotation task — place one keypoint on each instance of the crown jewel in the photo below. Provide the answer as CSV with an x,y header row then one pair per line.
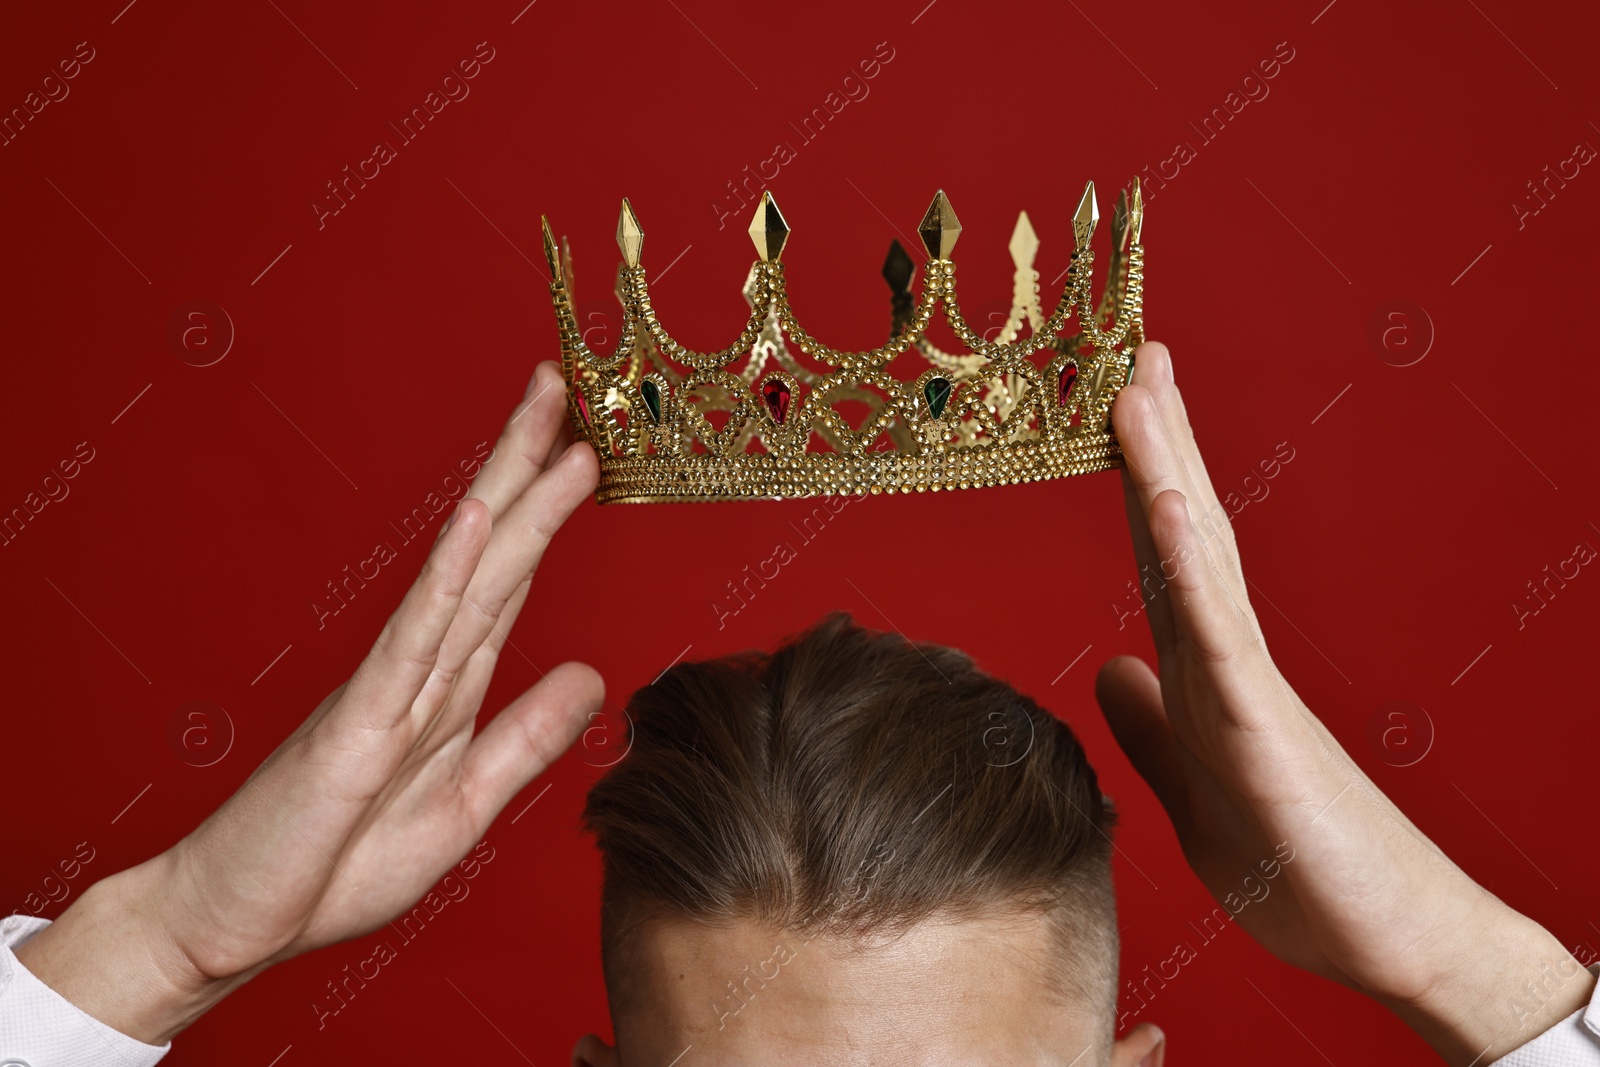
x,y
1016,407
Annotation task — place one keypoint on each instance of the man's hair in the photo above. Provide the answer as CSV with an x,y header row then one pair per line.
x,y
849,784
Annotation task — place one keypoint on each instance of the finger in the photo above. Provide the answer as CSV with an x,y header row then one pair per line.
x,y
501,634
1210,623
563,442
1157,362
1149,451
1155,464
508,615
528,736
407,651
1148,467
524,448
1148,582
1129,695
522,536
1211,518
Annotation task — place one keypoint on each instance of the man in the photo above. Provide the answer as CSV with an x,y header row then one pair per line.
x,y
854,843
387,776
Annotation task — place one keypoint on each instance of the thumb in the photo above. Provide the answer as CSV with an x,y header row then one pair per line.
x,y
1129,695
527,736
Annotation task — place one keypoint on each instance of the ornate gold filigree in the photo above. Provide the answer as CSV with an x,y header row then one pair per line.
x,y
752,421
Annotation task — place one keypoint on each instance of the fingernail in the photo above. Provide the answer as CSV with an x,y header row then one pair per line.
x,y
526,393
1169,365
451,520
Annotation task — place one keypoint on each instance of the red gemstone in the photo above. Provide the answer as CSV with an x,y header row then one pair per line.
x,y
583,405
775,391
1069,374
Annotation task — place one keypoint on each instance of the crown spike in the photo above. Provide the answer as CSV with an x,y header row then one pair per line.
x,y
768,229
630,237
1136,212
940,227
898,268
1024,242
1119,221
1086,217
550,247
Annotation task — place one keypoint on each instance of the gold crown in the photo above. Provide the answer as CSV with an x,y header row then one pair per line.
x,y
994,415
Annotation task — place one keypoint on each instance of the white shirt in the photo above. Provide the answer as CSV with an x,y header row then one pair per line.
x,y
1572,1042
41,1028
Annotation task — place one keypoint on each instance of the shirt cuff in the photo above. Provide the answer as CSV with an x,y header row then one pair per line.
x,y
1572,1042
41,1028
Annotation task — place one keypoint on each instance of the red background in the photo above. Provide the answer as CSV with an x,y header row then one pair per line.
x,y
1386,556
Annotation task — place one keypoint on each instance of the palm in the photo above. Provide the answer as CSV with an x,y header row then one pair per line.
x,y
1221,832
392,856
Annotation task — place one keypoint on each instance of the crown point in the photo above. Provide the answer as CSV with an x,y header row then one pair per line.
x,y
1024,242
1136,211
898,268
1119,220
940,227
630,237
550,246
768,229
1086,217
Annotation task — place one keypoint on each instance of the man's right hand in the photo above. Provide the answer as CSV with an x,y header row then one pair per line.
x,y
377,794
1244,768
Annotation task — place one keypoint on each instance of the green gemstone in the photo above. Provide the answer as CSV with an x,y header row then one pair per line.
x,y
652,398
937,393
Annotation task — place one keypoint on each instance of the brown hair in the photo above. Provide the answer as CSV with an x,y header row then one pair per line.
x,y
850,783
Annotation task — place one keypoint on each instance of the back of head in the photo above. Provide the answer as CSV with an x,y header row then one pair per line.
x,y
848,785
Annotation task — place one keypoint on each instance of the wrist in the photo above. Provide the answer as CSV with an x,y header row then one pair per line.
x,y
110,954
1503,982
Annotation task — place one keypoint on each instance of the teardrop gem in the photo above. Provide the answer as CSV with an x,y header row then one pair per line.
x,y
652,397
775,392
937,393
1069,374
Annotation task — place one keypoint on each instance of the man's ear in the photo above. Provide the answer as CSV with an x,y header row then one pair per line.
x,y
590,1051
1143,1046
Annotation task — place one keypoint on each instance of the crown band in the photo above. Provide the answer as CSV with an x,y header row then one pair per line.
x,y
989,416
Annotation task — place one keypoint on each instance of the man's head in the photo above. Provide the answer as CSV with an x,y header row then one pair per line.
x,y
854,849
